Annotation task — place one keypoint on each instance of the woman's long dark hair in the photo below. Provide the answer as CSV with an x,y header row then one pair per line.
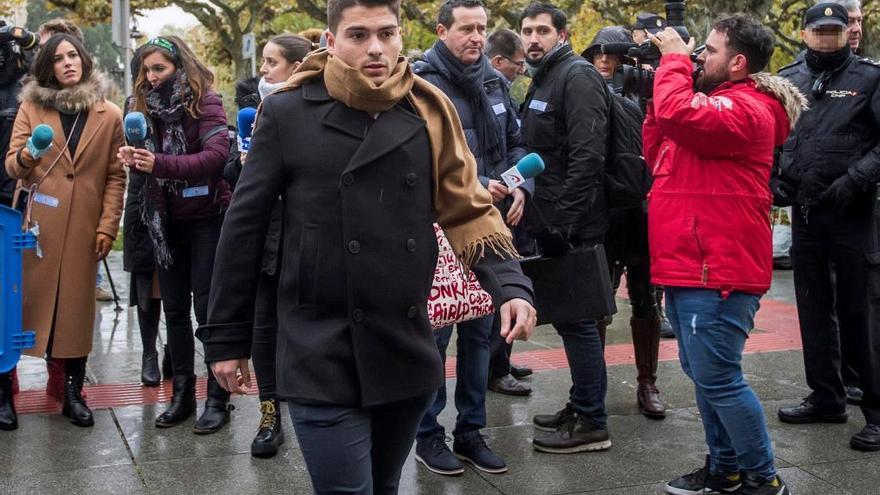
x,y
294,48
199,77
43,68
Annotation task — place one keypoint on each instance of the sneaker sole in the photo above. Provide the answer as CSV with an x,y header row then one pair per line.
x,y
859,444
822,418
481,467
671,490
590,447
444,472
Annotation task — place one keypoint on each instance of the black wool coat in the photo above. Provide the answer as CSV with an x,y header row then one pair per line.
x,y
359,252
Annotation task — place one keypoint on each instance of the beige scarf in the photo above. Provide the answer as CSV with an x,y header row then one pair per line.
x,y
462,207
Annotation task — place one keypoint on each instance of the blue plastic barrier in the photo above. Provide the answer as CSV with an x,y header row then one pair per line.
x,y
12,338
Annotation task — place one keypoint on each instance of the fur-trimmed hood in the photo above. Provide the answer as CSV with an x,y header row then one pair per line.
x,y
791,98
70,100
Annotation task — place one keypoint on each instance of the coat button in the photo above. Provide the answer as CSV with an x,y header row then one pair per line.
x,y
411,245
410,179
354,247
357,315
69,176
348,179
412,312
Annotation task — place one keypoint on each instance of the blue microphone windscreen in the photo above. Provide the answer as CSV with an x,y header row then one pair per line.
x,y
246,117
135,127
530,165
42,136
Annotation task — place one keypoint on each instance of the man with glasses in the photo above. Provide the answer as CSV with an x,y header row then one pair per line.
x,y
828,170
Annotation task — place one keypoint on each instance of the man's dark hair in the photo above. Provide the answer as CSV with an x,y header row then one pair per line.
x,y
747,36
43,67
335,8
503,42
444,15
537,8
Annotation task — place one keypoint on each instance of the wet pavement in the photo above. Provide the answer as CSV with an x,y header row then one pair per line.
x,y
124,453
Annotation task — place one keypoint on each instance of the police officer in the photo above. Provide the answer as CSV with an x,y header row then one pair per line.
x,y
827,171
565,119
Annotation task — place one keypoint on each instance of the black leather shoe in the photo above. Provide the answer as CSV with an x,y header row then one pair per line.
x,y
508,385
183,402
472,449
666,328
8,418
854,396
435,455
551,422
150,376
577,435
867,440
808,412
74,406
217,407
519,372
270,436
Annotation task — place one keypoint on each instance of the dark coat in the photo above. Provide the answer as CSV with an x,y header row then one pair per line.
x,y
566,122
273,237
359,252
203,167
839,134
512,146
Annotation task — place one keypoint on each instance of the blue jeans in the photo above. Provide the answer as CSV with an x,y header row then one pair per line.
x,y
356,450
99,278
711,333
586,362
472,371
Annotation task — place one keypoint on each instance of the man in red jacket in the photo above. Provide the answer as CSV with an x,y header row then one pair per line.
x,y
711,151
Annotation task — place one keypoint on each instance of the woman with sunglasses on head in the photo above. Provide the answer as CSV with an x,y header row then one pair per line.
x,y
281,56
181,202
72,185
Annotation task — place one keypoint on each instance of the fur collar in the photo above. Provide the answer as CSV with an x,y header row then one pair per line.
x,y
70,100
787,93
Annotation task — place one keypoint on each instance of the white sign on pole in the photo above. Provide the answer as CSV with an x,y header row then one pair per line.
x,y
248,45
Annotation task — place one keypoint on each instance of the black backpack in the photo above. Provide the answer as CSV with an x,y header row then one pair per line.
x,y
627,178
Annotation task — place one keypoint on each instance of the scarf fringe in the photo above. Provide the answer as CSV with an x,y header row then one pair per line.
x,y
500,243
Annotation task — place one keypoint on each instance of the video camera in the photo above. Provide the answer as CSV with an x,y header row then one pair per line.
x,y
13,42
634,79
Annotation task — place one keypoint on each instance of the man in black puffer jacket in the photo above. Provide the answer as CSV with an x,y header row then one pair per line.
x,y
456,65
566,120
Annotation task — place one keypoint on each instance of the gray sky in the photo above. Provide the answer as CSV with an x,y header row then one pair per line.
x,y
153,21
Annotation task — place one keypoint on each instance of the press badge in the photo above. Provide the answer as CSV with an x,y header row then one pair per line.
x,y
499,109
538,105
195,192
45,199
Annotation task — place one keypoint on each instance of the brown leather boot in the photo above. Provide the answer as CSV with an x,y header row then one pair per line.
x,y
646,343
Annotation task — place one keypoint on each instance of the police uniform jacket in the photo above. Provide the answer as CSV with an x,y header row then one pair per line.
x,y
359,252
839,134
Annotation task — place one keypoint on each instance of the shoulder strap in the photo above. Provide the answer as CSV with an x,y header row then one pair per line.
x,y
213,132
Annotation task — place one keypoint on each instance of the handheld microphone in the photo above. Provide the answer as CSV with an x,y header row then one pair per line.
x,y
40,141
529,166
42,136
135,129
246,117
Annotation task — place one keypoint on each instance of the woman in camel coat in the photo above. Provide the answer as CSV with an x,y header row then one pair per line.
x,y
78,204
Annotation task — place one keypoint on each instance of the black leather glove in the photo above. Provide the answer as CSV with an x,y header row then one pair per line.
x,y
784,193
841,194
552,242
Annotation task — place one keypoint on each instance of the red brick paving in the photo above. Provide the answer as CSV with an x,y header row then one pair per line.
x,y
776,322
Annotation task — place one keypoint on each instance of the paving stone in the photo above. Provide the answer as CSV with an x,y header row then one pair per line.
x,y
109,480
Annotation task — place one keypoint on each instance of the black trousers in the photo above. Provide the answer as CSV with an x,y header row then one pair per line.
x,y
185,285
831,276
265,337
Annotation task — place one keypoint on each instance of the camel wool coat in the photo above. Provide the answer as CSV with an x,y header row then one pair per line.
x,y
81,196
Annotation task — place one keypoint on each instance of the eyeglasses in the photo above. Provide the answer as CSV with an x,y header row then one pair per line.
x,y
520,65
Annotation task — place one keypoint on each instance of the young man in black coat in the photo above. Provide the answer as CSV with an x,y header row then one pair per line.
x,y
365,156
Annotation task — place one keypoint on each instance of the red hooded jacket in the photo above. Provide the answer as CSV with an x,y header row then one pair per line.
x,y
711,156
